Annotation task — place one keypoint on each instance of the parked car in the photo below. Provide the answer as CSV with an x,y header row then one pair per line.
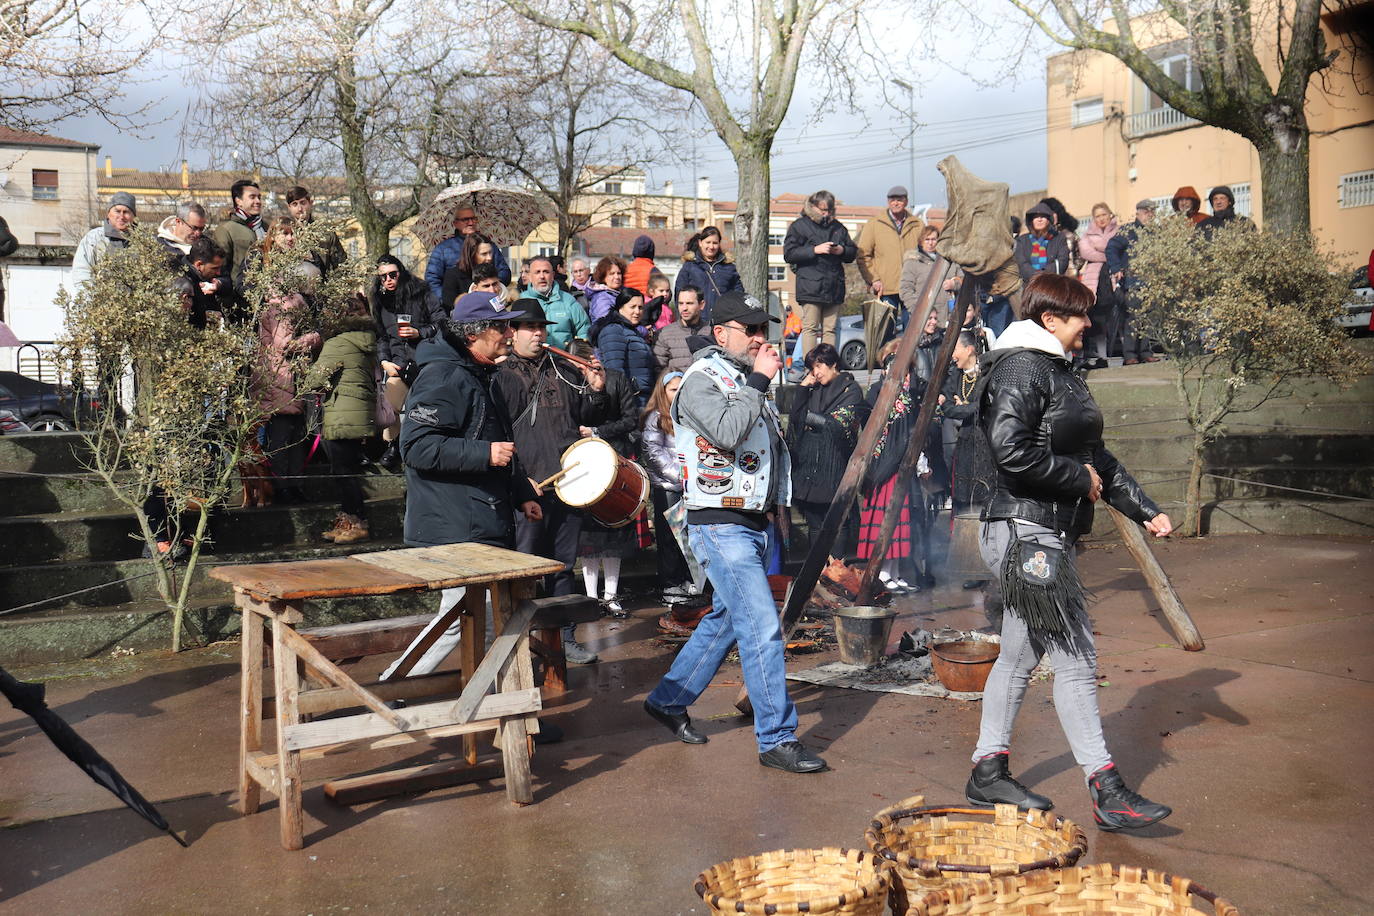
x,y
1358,316
849,341
10,424
45,407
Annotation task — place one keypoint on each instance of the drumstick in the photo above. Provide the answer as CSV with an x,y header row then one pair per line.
x,y
544,483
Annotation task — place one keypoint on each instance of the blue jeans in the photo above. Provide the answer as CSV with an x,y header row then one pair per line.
x,y
744,612
997,314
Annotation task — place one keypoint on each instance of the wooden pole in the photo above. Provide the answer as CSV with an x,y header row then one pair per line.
x,y
1158,580
823,540
906,471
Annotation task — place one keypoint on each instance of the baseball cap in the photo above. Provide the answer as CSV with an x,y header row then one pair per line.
x,y
481,306
741,307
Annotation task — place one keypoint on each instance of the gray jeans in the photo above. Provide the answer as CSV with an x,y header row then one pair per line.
x,y
1075,666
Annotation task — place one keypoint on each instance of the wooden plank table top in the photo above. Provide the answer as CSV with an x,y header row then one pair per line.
x,y
385,572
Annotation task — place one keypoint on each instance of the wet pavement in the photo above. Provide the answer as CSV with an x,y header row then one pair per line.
x,y
1262,744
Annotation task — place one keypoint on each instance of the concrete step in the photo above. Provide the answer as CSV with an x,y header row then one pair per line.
x,y
45,453
1329,483
1343,454
42,494
75,537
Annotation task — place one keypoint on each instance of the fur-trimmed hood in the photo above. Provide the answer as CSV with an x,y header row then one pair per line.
x,y
694,255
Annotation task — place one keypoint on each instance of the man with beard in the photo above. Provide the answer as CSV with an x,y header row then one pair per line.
x,y
464,479
550,402
736,475
566,319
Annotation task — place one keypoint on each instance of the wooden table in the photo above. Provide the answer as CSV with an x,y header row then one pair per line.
x,y
274,594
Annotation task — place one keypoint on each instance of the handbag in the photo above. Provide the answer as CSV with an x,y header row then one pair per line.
x,y
383,414
1041,585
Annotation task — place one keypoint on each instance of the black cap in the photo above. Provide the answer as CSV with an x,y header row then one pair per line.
x,y
531,312
741,307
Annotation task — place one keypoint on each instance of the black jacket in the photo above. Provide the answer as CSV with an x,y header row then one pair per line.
x,y
1043,426
821,434
413,298
225,299
8,243
820,277
546,409
1057,250
615,417
453,494
1119,248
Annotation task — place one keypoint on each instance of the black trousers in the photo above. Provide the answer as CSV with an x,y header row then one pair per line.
x,y
286,447
346,467
846,541
556,536
672,565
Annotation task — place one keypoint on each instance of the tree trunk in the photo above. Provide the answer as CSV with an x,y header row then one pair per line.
x,y
1192,507
1284,181
751,219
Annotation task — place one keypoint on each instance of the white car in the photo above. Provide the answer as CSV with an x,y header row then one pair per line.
x,y
1358,316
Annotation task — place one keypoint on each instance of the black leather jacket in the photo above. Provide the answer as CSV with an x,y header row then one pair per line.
x,y
1044,426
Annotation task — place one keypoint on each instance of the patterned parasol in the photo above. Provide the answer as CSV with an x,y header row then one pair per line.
x,y
505,214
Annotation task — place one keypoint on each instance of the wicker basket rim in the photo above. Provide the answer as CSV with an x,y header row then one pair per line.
x,y
889,817
1220,905
882,879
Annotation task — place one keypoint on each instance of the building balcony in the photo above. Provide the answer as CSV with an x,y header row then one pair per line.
x,y
1156,121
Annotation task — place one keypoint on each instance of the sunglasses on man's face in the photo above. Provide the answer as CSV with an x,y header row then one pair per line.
x,y
390,274
750,330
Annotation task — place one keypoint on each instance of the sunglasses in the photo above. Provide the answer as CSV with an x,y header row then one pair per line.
x,y
750,330
466,219
390,274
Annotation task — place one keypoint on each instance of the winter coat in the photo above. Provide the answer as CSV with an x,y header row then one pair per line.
x,y
225,300
671,350
1093,248
412,297
453,494
238,240
93,246
615,417
1221,217
600,301
713,278
274,382
1043,426
545,408
882,248
446,255
622,348
1059,261
821,434
1188,192
641,266
347,367
659,456
568,317
1119,253
820,277
915,265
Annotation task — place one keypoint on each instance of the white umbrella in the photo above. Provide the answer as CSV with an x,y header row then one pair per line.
x,y
505,214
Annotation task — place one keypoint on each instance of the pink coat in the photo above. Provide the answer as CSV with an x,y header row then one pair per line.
x,y
1092,247
273,379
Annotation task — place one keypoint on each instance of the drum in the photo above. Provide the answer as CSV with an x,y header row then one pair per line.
x,y
611,488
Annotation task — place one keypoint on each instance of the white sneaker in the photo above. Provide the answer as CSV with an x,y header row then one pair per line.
x,y
613,607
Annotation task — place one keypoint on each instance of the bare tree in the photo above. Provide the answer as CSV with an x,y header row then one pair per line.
x,y
353,85
60,58
1231,44
740,61
568,124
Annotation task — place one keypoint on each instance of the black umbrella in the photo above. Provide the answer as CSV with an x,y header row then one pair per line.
x,y
28,698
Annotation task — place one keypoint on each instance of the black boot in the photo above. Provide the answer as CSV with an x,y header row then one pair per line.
x,y
992,784
391,458
1115,806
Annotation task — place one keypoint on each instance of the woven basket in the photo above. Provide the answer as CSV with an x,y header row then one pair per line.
x,y
934,847
1091,889
843,882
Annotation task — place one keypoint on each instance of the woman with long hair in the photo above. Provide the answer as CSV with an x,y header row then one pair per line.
x,y
1092,247
406,314
477,249
660,460
607,280
622,347
708,267
1045,433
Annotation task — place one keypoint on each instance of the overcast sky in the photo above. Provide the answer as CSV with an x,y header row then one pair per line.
x,y
998,133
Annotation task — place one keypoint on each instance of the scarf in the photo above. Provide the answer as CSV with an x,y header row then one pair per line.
x,y
1040,252
252,222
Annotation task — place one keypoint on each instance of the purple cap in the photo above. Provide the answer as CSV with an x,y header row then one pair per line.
x,y
482,307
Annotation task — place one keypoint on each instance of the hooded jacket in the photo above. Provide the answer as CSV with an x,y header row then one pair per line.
x,y
1188,192
347,367
1043,426
93,246
641,265
820,277
453,494
1056,242
1226,215
713,278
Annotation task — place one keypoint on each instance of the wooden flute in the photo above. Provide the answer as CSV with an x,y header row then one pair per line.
x,y
576,360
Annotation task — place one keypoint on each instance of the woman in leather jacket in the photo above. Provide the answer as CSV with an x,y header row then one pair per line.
x,y
1045,433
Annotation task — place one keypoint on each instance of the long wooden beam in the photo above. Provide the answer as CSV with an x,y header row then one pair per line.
x,y
1174,612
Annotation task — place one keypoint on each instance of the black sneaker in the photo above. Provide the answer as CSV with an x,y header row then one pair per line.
x,y
793,757
1115,806
991,783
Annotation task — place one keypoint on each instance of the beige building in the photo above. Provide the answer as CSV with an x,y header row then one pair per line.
x,y
47,187
1112,139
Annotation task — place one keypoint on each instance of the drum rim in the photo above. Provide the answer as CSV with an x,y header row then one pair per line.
x,y
563,462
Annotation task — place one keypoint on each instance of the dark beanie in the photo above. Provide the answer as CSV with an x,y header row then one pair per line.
x,y
643,248
1223,189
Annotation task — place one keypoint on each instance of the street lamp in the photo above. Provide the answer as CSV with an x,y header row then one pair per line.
x,y
911,116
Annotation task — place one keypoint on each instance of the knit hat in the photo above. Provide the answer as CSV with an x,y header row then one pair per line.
x,y
1223,189
124,199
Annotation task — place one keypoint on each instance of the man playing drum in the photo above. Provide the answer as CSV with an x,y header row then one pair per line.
x,y
736,472
550,401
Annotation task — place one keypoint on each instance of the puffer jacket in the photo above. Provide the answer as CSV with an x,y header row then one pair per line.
x,y
281,338
622,348
347,366
713,278
820,277
1043,426
446,255
659,455
453,494
1092,246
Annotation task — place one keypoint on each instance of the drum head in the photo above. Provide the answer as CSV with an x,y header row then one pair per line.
x,y
594,465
